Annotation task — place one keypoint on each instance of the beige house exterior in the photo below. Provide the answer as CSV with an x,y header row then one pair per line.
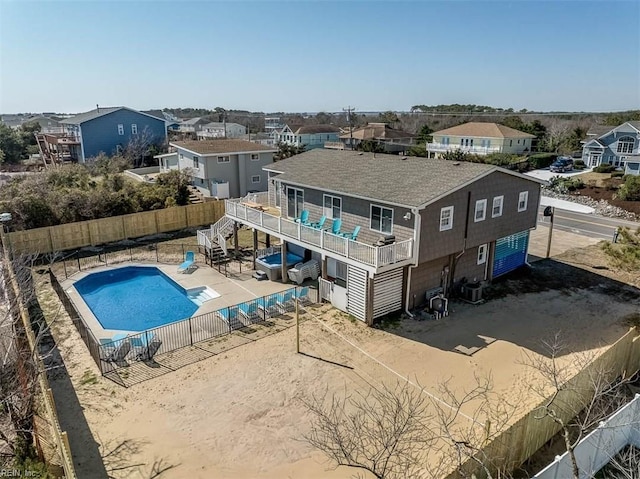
x,y
480,138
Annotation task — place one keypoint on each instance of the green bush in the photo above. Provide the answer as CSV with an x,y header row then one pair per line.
x,y
617,174
542,160
578,163
630,190
604,168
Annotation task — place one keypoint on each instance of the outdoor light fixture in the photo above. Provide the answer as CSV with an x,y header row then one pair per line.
x,y
407,216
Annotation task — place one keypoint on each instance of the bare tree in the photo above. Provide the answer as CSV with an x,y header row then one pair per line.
x,y
575,406
138,147
385,431
624,465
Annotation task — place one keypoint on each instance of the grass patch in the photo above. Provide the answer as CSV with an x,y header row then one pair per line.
x,y
391,321
88,378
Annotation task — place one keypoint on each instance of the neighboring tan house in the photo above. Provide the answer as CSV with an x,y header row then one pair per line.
x,y
221,130
425,225
192,125
222,168
480,138
393,141
618,146
309,136
261,138
109,130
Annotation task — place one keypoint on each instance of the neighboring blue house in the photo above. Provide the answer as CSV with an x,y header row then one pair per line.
x,y
310,136
619,146
109,130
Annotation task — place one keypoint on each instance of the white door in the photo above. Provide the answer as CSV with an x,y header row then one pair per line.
x,y
594,159
339,297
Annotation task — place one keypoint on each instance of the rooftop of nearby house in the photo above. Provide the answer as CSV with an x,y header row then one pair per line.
x,y
219,124
313,129
376,131
221,146
481,129
391,179
598,131
90,115
192,121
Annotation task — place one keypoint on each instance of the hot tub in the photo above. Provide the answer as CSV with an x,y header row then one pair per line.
x,y
272,264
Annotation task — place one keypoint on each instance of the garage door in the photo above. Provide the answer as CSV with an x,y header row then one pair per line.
x,y
510,253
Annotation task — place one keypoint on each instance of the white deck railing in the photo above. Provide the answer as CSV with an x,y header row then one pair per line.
x,y
376,256
442,147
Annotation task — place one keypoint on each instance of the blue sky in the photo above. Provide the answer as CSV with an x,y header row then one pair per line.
x,y
319,55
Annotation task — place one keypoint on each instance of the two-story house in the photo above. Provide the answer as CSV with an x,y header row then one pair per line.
x,y
222,168
221,130
424,224
192,125
480,138
619,146
389,139
309,136
109,130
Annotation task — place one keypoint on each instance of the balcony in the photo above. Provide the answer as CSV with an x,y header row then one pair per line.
x,y
476,150
374,257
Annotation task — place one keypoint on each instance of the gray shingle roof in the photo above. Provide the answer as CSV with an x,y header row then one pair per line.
x,y
390,179
221,145
90,115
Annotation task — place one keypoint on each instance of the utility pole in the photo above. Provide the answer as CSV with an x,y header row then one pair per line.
x,y
348,110
549,211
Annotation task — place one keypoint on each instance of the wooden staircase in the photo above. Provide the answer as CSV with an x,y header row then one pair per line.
x,y
195,197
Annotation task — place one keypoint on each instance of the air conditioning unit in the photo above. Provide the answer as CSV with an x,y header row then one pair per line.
x,y
472,292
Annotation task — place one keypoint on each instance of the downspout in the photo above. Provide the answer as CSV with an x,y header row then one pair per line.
x,y
464,242
416,250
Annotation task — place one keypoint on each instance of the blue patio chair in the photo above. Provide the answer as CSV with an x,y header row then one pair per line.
x,y
335,227
270,306
304,218
320,224
285,302
189,263
250,310
303,295
353,235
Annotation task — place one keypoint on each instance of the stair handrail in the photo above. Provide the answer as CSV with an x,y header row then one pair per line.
x,y
222,243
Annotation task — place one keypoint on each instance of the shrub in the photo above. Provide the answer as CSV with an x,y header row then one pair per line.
x,y
604,168
542,160
579,163
617,174
630,190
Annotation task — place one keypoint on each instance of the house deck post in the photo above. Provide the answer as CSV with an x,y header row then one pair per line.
x,y
255,246
283,263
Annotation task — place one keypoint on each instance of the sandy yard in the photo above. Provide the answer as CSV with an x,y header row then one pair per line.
x,y
239,414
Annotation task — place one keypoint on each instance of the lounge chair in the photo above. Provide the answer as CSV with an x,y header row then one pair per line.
x,y
147,352
303,295
335,227
286,301
353,235
250,310
269,306
320,224
304,218
189,263
120,352
230,316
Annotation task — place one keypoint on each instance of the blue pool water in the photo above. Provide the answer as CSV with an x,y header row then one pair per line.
x,y
276,259
134,298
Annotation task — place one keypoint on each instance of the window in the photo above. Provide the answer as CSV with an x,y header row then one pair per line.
x,y
510,142
295,202
196,162
255,156
482,254
625,144
134,129
332,207
481,210
255,179
381,219
496,210
223,159
120,130
522,200
446,218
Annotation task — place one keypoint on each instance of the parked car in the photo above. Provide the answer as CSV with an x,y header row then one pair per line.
x,y
561,165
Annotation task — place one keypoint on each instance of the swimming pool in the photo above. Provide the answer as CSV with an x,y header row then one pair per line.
x,y
135,298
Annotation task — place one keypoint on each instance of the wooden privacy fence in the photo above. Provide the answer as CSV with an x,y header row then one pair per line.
x,y
107,230
518,443
51,442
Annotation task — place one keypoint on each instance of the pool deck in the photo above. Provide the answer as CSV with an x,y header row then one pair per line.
x,y
234,289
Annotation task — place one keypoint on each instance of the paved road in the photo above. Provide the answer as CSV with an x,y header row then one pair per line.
x,y
587,225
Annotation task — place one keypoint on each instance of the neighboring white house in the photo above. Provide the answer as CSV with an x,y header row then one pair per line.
x,y
619,146
480,138
192,125
310,136
221,130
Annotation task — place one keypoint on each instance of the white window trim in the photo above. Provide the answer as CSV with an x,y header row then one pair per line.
x,y
224,159
324,199
523,196
442,211
134,129
371,206
196,162
253,179
493,206
482,253
257,157
483,204
120,129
